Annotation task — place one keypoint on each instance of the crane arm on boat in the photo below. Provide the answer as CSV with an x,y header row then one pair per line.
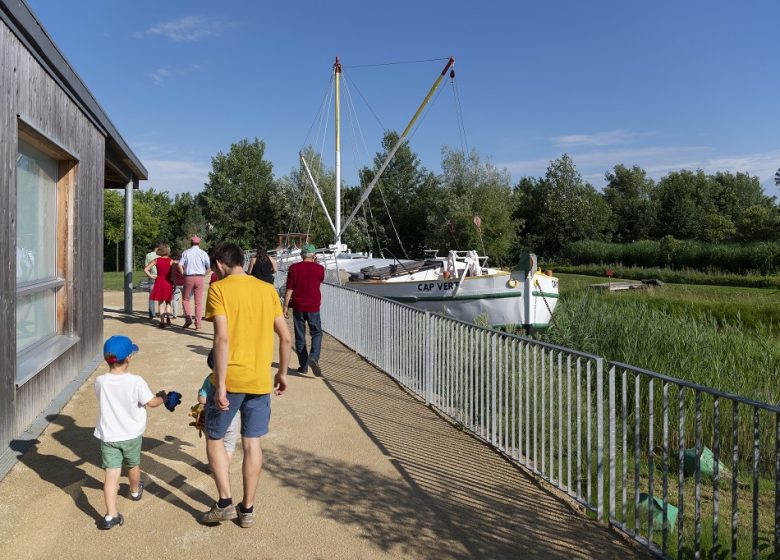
x,y
317,193
392,152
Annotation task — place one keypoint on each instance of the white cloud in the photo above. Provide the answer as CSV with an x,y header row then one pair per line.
x,y
159,75
607,138
176,176
189,28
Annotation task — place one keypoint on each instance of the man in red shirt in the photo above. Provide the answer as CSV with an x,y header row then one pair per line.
x,y
303,295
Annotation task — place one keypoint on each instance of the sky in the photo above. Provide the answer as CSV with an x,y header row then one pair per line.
x,y
666,85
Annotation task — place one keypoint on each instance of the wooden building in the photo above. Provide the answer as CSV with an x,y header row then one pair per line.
x,y
58,152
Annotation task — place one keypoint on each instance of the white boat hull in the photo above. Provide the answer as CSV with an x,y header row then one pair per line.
x,y
490,299
498,298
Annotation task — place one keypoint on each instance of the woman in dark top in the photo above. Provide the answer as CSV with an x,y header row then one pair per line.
x,y
262,266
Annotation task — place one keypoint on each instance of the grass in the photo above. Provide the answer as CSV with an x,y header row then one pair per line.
x,y
755,310
114,281
704,341
681,276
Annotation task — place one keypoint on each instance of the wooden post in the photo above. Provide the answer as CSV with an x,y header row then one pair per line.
x,y
128,284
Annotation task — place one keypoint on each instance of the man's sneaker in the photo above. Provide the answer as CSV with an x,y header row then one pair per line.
x,y
302,370
315,367
187,323
113,521
246,519
138,495
217,514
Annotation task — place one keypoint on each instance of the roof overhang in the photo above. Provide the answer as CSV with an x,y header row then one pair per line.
x,y
122,165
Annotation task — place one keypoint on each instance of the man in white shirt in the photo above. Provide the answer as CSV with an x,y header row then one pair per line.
x,y
194,265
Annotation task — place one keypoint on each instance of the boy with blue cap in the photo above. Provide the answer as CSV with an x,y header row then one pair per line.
x,y
123,398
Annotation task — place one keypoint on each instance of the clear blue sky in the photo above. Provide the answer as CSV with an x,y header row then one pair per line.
x,y
662,84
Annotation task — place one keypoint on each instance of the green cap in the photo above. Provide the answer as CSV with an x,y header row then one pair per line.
x,y
308,249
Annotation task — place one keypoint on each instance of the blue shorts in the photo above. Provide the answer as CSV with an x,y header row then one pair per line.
x,y
255,414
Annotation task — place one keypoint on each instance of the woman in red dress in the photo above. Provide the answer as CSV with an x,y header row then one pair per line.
x,y
162,290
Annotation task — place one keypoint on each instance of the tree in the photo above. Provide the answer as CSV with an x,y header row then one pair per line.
x,y
237,200
146,226
759,223
469,188
559,209
185,220
159,204
684,199
734,193
295,206
629,193
146,229
113,223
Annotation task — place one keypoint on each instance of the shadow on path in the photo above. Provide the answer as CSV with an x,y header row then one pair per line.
x,y
475,497
72,479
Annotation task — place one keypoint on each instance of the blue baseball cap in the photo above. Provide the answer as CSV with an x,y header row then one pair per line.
x,y
118,348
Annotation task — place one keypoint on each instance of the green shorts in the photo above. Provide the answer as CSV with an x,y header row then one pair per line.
x,y
114,453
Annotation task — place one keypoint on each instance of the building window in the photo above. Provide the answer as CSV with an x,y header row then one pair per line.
x,y
36,243
45,183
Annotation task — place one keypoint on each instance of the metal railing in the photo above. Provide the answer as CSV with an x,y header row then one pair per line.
x,y
608,435
532,401
708,451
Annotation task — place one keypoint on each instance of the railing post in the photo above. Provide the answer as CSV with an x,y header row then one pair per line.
x,y
600,439
429,346
612,443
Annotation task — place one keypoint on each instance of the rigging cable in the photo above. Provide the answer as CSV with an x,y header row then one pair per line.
x,y
395,63
379,185
318,119
459,113
360,93
319,112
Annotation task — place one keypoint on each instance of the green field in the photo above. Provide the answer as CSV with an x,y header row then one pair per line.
x,y
114,280
723,337
754,310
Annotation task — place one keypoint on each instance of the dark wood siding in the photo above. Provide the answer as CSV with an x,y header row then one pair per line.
x,y
27,90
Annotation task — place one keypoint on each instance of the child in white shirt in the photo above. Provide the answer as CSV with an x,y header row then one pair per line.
x,y
123,398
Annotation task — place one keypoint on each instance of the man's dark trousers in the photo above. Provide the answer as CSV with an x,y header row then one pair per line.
x,y
300,318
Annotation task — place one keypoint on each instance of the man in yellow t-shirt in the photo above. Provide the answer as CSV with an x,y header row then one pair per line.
x,y
246,312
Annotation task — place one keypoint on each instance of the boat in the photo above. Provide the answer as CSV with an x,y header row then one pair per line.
x,y
460,284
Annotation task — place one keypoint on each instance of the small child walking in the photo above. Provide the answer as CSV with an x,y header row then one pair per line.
x,y
231,435
123,398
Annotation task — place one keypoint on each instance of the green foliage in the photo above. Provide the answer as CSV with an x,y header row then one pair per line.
x,y
397,197
185,220
683,276
113,224
559,209
159,205
237,200
469,188
738,258
759,222
147,226
630,195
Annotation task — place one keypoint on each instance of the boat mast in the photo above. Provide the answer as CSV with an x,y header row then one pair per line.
x,y
337,72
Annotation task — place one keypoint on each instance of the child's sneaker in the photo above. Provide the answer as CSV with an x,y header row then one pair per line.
x,y
246,518
138,495
217,514
113,521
